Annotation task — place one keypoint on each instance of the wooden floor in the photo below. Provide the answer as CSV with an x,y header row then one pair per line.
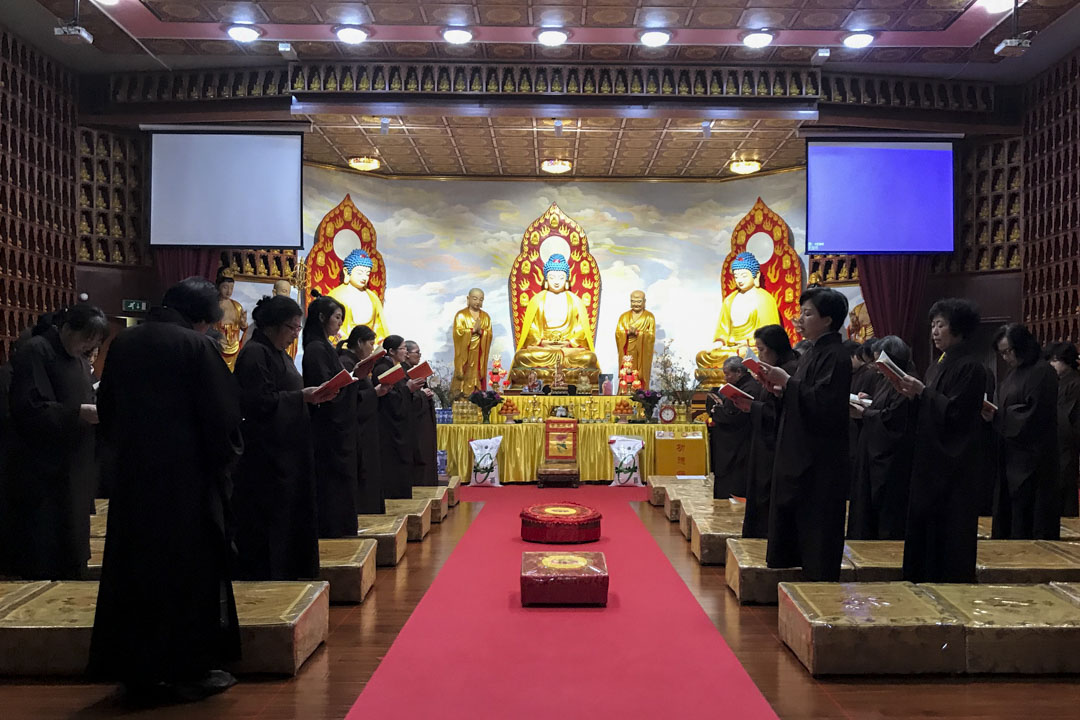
x,y
360,636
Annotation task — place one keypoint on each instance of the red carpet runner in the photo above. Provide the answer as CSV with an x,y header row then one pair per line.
x,y
471,651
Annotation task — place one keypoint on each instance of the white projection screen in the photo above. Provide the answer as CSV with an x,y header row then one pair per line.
x,y
226,189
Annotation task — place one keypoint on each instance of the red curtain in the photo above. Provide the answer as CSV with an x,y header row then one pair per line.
x,y
893,287
176,263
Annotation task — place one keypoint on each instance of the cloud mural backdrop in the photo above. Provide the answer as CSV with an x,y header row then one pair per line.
x,y
440,238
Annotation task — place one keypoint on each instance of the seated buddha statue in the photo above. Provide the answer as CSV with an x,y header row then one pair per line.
x,y
745,310
362,305
556,330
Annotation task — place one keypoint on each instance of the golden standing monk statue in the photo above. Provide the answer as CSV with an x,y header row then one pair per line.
x,y
233,324
472,341
743,312
362,305
635,335
556,328
284,289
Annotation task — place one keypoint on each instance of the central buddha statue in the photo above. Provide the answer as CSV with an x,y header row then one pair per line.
x,y
556,330
362,305
745,310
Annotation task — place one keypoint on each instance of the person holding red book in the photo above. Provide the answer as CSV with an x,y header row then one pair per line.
x,y
397,423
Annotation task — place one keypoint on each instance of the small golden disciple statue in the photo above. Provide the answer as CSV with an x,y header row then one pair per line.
x,y
743,311
233,324
472,341
635,335
556,328
362,305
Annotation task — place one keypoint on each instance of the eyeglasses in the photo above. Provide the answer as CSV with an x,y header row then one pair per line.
x,y
294,328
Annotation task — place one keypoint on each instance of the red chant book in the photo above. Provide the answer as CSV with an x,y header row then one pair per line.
x,y
987,405
393,375
365,366
730,391
752,363
331,386
420,372
889,368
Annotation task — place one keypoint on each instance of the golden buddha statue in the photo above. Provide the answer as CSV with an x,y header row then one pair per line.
x,y
745,310
233,325
362,305
635,335
472,341
556,329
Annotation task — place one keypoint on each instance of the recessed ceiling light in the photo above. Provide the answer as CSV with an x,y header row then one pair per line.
x,y
364,164
858,40
655,38
552,37
996,6
758,39
556,167
351,34
244,33
745,167
457,36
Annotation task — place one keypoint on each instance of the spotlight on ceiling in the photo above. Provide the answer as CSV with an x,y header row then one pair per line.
x,y
384,126
351,34
858,40
820,57
552,37
745,167
556,167
655,38
244,33
364,164
286,50
557,124
457,35
995,7
706,128
757,39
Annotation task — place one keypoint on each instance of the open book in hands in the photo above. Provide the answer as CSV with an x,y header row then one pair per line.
x,y
393,375
889,368
988,406
854,399
753,363
732,392
365,366
420,372
331,387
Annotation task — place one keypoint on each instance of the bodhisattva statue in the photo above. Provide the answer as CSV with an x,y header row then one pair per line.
x,y
233,324
556,328
744,311
635,335
472,341
362,305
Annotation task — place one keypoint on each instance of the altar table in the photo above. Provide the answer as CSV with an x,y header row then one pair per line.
x,y
522,448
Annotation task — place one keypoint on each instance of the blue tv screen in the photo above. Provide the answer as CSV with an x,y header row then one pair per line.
x,y
879,196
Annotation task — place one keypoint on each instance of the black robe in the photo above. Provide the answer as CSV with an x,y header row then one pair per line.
x,y
730,446
882,473
426,439
170,413
1069,440
7,431
989,458
397,436
50,486
277,530
1027,501
943,512
333,436
764,422
863,380
810,473
370,497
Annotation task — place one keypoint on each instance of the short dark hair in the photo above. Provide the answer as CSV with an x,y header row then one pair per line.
x,y
393,342
1024,345
868,349
852,348
829,303
359,334
85,319
275,311
411,343
196,299
897,349
776,339
318,312
1064,352
962,315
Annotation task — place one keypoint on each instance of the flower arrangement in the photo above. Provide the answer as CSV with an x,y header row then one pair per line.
x,y
674,380
648,400
439,383
485,400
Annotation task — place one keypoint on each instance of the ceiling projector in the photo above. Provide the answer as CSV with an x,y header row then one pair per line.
x,y
1013,47
74,35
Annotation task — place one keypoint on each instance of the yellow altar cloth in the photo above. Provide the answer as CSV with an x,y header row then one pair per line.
x,y
583,407
522,448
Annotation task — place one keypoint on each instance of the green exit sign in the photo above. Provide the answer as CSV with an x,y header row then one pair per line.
x,y
135,305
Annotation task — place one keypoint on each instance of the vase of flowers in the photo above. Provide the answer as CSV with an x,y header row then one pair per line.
x,y
485,401
648,399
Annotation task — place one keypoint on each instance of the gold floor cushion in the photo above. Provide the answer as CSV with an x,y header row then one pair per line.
x,y
753,581
389,532
440,500
348,564
417,515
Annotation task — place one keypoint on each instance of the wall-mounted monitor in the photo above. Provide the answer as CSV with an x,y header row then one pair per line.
x,y
884,195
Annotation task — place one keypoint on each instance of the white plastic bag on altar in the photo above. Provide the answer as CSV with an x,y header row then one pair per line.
x,y
485,469
626,450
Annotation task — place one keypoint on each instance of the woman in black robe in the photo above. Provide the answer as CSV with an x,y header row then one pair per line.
x,y
53,473
171,416
397,425
943,511
426,434
277,528
1063,358
810,473
773,348
333,423
882,473
1027,500
370,499
730,433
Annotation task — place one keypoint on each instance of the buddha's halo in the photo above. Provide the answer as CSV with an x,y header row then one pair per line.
x,y
554,244
345,241
761,245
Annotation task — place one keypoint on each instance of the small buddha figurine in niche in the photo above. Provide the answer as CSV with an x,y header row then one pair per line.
x,y
362,304
745,310
472,341
233,324
635,335
556,328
